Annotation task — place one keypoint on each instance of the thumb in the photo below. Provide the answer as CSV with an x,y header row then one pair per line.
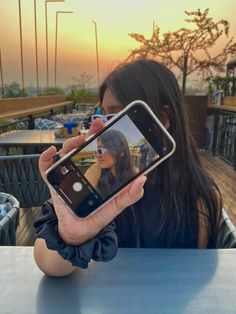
x,y
132,193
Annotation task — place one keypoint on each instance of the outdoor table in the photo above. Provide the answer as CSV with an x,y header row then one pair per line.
x,y
80,118
136,281
29,140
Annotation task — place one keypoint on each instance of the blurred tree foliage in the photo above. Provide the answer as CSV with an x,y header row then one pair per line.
x,y
14,90
224,83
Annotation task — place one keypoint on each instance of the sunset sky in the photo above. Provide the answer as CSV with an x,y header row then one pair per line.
x,y
76,37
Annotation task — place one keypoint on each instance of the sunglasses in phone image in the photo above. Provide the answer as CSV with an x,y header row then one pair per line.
x,y
103,117
101,151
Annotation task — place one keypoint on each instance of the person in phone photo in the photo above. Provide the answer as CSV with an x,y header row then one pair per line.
x,y
176,206
114,166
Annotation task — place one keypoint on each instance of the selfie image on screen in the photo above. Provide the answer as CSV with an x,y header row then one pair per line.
x,y
115,157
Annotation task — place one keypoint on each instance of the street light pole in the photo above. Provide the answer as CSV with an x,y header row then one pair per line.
x,y
3,93
96,40
46,21
57,16
36,47
21,49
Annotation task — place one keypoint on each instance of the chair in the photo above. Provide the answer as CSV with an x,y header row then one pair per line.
x,y
20,176
227,232
10,220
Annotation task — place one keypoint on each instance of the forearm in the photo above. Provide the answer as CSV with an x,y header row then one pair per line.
x,y
50,262
57,257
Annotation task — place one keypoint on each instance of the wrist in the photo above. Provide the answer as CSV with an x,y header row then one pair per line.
x,y
76,235
68,237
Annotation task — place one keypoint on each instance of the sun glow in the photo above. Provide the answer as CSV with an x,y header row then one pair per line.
x,y
76,36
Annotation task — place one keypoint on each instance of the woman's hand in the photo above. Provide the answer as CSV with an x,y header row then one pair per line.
x,y
75,230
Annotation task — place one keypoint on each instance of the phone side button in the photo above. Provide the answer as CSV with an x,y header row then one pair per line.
x,y
59,196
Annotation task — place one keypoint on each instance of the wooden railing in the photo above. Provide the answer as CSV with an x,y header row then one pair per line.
x,y
30,107
23,107
229,101
222,130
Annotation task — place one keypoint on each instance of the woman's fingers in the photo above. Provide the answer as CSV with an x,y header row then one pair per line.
x,y
45,160
77,141
96,125
129,196
72,143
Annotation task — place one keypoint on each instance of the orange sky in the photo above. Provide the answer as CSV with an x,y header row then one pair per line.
x,y
76,36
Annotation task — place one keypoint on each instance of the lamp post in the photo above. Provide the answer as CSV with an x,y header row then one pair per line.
x,y
3,93
57,16
21,50
46,21
96,40
36,47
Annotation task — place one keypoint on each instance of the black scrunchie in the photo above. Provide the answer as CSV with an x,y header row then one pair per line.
x,y
102,248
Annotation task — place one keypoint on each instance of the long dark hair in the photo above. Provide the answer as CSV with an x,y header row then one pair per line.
x,y
183,182
116,142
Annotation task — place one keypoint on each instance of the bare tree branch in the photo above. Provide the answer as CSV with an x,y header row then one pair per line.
x,y
188,49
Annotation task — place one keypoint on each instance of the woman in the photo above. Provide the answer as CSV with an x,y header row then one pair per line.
x,y
181,207
114,166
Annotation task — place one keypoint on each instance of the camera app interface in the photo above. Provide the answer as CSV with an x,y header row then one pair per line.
x,y
115,157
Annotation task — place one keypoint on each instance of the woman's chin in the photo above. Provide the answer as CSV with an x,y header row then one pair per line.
x,y
101,165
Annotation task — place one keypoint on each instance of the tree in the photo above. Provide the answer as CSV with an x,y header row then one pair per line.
x,y
84,82
83,86
188,49
13,90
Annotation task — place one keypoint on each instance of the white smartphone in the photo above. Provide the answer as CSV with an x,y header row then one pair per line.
x,y
132,143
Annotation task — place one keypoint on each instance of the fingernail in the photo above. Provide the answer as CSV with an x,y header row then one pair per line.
x,y
50,148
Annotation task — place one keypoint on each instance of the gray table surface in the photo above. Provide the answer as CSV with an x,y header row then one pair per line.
x,y
136,281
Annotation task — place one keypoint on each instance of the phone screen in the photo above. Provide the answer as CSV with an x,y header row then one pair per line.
x,y
119,154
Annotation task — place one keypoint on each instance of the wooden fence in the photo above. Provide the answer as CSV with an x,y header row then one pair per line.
x,y
22,107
